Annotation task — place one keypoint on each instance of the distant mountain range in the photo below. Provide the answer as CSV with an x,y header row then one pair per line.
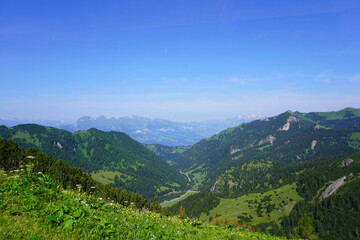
x,y
14,122
146,130
158,131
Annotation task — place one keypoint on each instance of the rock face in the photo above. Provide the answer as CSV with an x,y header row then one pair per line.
x,y
313,144
286,126
214,188
58,144
237,157
333,187
269,139
346,162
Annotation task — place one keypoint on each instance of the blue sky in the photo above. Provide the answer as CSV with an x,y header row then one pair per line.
x,y
178,60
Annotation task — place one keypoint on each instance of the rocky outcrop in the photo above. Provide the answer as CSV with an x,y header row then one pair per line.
x,y
235,150
333,187
269,139
237,157
214,188
346,162
286,126
313,144
58,144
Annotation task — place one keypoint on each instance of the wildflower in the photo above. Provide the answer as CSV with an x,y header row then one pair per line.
x,y
39,173
31,157
100,198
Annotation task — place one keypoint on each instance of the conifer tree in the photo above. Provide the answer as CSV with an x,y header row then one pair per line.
x,y
305,228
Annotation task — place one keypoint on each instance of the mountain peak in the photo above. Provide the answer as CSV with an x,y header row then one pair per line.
x,y
84,118
101,117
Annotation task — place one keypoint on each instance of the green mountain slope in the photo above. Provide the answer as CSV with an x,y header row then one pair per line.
x,y
347,118
62,202
264,146
235,166
335,214
111,157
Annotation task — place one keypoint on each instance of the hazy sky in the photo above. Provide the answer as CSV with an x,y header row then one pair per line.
x,y
179,60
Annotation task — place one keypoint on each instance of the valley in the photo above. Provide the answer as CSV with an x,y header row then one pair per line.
x,y
44,198
214,120
270,173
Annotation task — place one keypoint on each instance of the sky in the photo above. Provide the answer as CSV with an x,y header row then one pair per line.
x,y
177,60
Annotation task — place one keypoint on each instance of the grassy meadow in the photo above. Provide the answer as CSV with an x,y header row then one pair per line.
x,y
256,208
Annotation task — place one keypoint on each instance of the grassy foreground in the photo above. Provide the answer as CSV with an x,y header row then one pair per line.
x,y
33,206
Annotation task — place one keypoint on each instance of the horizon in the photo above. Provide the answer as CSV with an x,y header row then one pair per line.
x,y
182,61
250,117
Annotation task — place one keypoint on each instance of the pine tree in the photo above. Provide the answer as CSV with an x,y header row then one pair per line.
x,y
305,228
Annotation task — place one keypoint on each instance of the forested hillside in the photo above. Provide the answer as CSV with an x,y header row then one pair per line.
x,y
278,147
14,159
44,198
257,168
110,157
347,118
331,193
